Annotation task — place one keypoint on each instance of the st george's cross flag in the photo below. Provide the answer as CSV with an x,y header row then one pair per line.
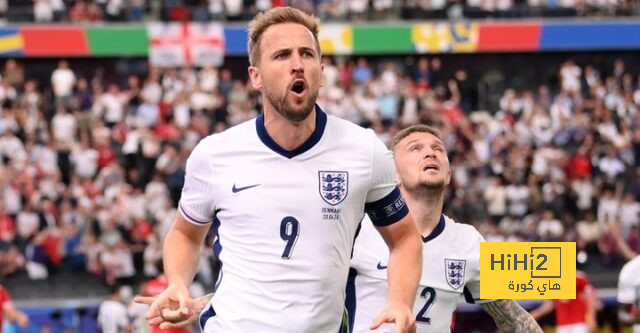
x,y
186,44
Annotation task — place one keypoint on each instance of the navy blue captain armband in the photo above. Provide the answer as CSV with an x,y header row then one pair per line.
x,y
388,210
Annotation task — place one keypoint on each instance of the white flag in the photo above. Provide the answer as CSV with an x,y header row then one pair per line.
x,y
186,44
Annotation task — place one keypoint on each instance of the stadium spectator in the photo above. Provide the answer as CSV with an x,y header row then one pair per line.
x,y
117,261
13,73
590,232
608,206
63,80
549,228
629,214
110,105
64,128
82,106
112,314
43,11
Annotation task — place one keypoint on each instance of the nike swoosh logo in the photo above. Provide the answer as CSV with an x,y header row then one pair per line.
x,y
235,189
380,267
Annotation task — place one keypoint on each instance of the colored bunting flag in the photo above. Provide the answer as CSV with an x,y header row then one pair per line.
x,y
336,39
186,44
11,43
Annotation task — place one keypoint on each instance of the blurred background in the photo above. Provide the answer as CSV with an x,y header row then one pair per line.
x,y
103,100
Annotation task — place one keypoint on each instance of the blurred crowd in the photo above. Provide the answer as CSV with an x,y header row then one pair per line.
x,y
549,164
360,10
91,169
553,165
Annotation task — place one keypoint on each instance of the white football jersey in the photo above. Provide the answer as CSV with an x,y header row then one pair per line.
x,y
286,220
629,286
450,268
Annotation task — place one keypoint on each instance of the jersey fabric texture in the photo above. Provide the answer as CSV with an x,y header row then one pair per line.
x,y
629,286
450,269
286,220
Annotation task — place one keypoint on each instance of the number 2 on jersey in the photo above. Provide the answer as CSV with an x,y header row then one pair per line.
x,y
430,294
289,233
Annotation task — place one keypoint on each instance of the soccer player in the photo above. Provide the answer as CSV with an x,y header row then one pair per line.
x,y
629,294
628,281
112,313
573,315
451,251
285,193
10,311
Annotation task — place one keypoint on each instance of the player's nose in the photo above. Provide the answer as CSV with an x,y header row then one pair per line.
x,y
429,153
296,64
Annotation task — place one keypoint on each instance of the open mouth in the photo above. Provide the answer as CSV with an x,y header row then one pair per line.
x,y
431,167
298,87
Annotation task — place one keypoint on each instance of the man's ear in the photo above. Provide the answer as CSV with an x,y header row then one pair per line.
x,y
322,76
254,76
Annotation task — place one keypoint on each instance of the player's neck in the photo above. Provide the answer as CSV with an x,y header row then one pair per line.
x,y
426,210
286,133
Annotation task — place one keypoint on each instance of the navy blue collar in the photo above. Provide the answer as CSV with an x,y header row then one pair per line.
x,y
436,231
321,122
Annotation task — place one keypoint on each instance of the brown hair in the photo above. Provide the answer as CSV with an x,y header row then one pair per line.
x,y
274,16
413,129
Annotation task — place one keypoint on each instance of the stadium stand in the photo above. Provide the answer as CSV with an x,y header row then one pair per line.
x,y
329,10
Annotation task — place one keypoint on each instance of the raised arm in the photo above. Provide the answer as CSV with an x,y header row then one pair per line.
x,y
621,244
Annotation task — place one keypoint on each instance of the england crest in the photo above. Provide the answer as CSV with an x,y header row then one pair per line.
x,y
454,272
334,186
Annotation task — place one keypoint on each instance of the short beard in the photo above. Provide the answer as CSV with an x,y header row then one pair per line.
x,y
289,112
425,189
432,186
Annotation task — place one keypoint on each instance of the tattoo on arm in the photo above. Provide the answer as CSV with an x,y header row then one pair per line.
x,y
509,316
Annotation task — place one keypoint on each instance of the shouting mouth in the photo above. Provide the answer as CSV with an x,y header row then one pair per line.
x,y
298,88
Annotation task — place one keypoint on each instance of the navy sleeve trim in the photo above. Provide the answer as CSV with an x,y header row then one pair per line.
x,y
190,218
468,297
350,299
210,312
388,210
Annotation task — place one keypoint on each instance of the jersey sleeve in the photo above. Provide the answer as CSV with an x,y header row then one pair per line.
x,y
626,287
472,287
384,203
197,199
